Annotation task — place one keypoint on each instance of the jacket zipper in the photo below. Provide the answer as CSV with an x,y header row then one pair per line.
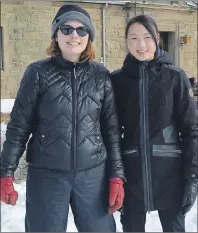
x,y
73,143
145,141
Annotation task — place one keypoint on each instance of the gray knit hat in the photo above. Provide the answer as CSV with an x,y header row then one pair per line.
x,y
73,12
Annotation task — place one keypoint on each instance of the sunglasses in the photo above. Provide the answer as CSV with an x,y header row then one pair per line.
x,y
68,30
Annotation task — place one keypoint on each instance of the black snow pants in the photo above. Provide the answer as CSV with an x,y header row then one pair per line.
x,y
172,220
49,194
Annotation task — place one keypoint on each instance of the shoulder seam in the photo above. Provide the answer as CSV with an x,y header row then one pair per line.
x,y
174,68
104,71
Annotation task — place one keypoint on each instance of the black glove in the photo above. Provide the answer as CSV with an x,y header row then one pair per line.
x,y
189,197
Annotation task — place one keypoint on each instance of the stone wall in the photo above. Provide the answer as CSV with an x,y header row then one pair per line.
x,y
181,22
26,35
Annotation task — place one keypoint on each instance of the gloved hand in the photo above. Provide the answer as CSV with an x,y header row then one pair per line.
x,y
116,194
8,194
189,196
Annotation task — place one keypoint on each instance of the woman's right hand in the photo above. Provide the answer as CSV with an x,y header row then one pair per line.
x,y
8,194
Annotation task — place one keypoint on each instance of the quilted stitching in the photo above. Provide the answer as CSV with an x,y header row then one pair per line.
x,y
45,101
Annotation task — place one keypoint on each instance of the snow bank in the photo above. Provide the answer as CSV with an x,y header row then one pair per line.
x,y
7,105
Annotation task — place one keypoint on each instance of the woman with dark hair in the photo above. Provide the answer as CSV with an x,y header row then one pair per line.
x,y
66,102
157,115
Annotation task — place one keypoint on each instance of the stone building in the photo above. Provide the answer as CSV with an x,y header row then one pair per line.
x,y
25,33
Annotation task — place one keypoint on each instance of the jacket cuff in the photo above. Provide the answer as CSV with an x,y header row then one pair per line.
x,y
6,173
116,180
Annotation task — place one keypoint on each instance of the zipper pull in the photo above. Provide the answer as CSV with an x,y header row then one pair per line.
x,y
144,64
74,70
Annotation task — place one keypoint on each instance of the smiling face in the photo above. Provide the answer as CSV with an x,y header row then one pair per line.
x,y
72,45
140,42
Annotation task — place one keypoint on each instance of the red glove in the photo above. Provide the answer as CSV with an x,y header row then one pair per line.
x,y
116,194
8,194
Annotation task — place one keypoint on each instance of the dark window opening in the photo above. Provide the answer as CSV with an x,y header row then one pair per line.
x,y
164,41
167,43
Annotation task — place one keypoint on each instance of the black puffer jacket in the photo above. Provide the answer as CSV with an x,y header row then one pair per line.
x,y
157,115
69,109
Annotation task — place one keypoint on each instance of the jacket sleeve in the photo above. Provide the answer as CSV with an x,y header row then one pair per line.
x,y
21,121
186,120
110,131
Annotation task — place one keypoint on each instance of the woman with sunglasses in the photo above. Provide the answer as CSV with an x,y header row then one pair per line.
x,y
67,104
157,115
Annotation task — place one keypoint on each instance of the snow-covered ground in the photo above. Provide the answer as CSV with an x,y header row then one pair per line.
x,y
12,217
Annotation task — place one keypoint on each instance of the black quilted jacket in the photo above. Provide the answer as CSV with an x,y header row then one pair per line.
x,y
68,108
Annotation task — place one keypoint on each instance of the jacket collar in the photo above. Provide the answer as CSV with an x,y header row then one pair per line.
x,y
131,64
65,64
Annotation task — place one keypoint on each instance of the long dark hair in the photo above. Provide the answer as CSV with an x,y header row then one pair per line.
x,y
148,22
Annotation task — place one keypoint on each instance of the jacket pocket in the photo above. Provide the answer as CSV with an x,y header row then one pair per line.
x,y
99,142
46,140
167,151
132,152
